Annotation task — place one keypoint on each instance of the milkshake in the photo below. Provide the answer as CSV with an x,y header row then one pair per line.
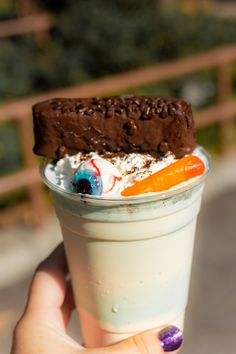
x,y
127,211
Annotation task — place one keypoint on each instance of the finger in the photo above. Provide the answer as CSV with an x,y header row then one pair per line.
x,y
48,288
68,305
168,339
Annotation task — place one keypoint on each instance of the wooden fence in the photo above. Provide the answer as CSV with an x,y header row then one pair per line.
x,y
27,24
223,112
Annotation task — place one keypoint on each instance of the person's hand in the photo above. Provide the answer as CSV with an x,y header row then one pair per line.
x,y
42,328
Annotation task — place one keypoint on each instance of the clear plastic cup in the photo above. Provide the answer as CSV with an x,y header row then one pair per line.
x,y
129,258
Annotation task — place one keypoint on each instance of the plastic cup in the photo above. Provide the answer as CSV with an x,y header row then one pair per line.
x,y
129,258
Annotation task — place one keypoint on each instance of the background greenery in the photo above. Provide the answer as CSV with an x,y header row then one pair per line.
x,y
94,38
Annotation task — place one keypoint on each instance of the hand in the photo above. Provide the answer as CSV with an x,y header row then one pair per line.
x,y
42,328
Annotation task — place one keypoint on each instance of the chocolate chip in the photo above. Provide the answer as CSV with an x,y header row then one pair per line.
x,y
163,147
99,108
119,110
153,104
109,113
109,103
146,117
171,110
130,128
163,114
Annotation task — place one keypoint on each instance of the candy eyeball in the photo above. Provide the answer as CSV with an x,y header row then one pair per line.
x,y
96,177
87,182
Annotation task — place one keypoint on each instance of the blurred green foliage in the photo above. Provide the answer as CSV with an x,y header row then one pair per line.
x,y
94,38
210,138
18,67
10,158
7,9
107,37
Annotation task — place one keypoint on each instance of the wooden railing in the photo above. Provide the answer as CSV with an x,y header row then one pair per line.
x,y
223,112
27,24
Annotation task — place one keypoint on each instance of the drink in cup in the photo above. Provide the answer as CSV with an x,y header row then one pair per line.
x,y
127,214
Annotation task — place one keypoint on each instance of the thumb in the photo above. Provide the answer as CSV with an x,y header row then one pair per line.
x,y
169,339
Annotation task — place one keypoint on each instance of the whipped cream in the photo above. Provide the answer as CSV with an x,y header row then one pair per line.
x,y
116,171
127,169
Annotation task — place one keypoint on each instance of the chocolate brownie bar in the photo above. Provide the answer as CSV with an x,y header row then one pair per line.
x,y
153,125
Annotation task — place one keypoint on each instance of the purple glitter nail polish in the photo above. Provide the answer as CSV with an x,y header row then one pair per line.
x,y
171,338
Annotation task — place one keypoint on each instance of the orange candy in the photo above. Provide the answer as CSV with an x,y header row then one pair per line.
x,y
178,172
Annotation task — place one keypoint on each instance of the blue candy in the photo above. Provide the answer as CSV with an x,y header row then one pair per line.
x,y
87,182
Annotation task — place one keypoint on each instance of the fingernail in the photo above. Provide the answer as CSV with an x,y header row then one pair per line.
x,y
171,338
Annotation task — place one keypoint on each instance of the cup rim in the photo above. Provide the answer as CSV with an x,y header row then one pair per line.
x,y
141,198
